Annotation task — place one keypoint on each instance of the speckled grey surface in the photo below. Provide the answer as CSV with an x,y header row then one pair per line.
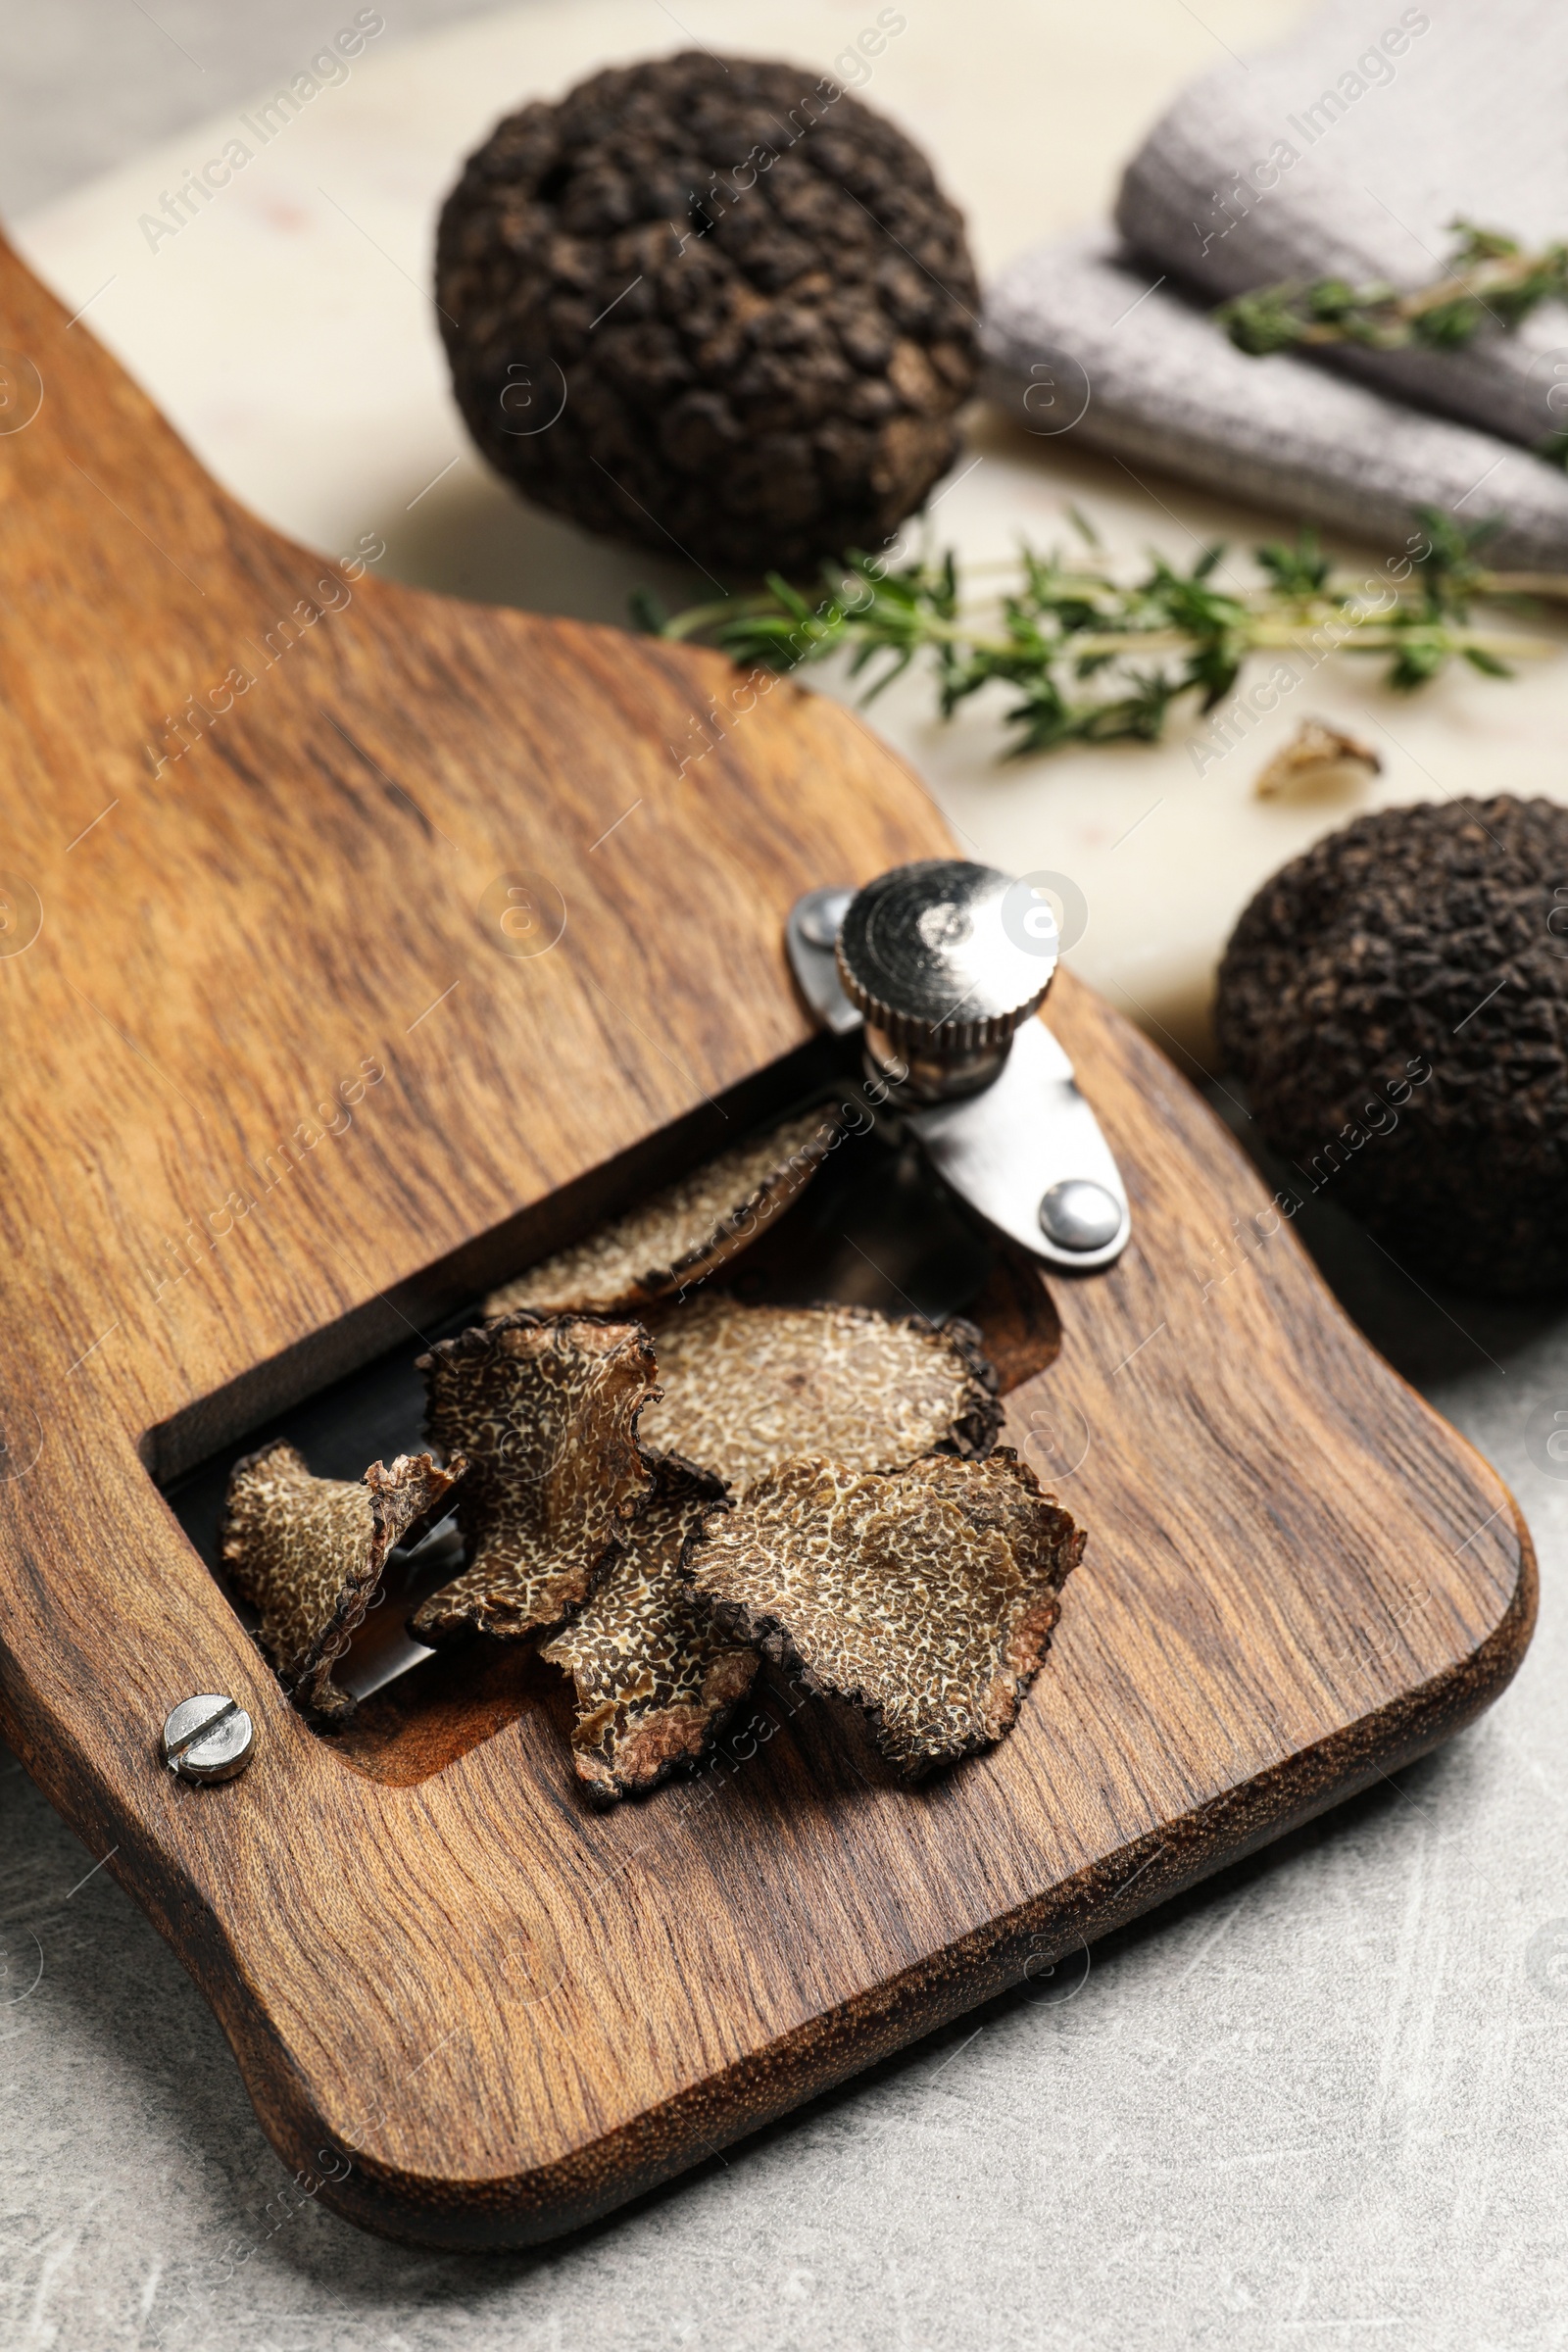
x,y
89,84
1317,2103
1319,2100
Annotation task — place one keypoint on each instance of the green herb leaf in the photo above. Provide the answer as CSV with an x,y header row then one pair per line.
x,y
1093,651
1489,280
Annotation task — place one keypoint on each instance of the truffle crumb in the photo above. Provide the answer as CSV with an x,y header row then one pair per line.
x,y
747,1388
681,1234
927,1597
545,1409
1317,761
655,1677
308,1553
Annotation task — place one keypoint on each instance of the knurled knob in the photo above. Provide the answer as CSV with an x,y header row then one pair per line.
x,y
945,958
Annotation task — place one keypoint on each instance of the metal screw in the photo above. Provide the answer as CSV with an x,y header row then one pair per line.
x,y
209,1737
822,911
1077,1214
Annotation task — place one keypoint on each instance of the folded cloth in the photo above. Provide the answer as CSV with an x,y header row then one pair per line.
x,y
1349,150
1077,343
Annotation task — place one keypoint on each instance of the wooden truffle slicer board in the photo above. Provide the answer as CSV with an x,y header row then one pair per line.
x,y
483,2011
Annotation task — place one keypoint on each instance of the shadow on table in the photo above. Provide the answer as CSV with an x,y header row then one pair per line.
x,y
120,1989
1432,1334
475,537
917,2067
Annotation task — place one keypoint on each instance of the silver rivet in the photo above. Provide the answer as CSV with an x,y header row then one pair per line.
x,y
820,917
209,1737
1077,1214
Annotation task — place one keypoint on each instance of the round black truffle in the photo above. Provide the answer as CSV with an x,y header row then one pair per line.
x,y
711,305
1397,1003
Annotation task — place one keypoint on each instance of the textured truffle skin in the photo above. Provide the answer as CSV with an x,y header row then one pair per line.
x,y
927,1597
747,288
309,1553
656,1678
747,1388
544,1407
680,1235
1426,938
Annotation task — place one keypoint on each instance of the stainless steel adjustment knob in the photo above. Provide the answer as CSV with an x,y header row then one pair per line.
x,y
944,960
939,965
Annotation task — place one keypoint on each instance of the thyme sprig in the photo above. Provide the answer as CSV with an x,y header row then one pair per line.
x,y
1093,656
1489,278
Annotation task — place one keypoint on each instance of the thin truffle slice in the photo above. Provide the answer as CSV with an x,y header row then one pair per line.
x,y
680,1235
545,1408
927,1597
655,1676
747,1388
308,1553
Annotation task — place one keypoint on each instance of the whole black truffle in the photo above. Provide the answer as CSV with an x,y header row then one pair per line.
x,y
1397,1003
741,289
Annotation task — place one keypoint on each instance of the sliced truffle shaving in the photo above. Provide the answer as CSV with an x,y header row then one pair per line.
x,y
545,1409
308,1553
655,1676
746,1388
682,1234
927,1597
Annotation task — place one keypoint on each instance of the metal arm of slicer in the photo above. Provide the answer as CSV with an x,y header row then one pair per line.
x,y
940,965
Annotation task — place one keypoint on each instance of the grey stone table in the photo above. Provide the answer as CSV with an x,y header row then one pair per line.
x,y
1316,2103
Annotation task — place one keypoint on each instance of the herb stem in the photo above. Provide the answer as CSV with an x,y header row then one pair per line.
x,y
1096,654
1488,281
698,618
1524,583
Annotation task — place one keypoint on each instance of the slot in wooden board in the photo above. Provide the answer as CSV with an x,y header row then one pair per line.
x,y
505,2012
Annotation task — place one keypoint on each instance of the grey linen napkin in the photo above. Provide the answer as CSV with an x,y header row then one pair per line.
x,y
1350,149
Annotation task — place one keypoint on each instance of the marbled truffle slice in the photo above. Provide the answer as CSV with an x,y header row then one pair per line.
x,y
545,1409
747,1388
926,1597
308,1553
679,1235
655,1676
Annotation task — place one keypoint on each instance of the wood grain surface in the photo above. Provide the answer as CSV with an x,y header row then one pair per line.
x,y
278,1088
